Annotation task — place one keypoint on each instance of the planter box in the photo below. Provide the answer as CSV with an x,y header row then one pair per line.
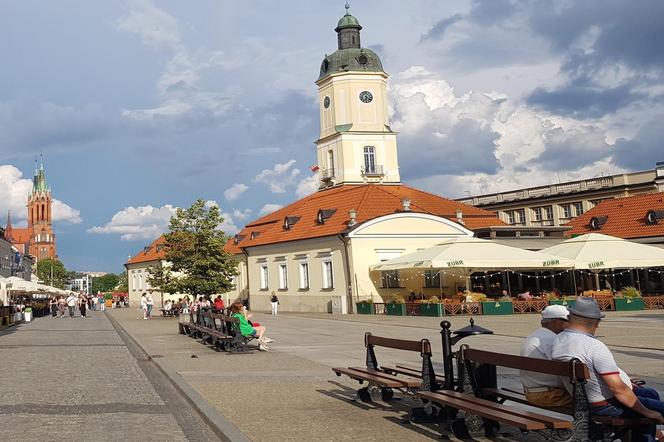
x,y
429,309
566,303
395,309
363,308
628,304
497,308
108,302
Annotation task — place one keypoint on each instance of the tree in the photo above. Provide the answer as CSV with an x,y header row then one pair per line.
x,y
161,279
52,272
105,283
123,283
195,248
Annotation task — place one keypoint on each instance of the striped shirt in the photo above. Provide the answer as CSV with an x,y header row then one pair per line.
x,y
595,354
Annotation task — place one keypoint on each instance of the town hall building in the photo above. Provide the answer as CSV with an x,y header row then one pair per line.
x,y
315,253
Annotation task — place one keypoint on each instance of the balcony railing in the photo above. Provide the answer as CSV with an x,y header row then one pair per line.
x,y
373,171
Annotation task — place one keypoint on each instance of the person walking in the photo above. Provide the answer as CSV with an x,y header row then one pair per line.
x,y
71,304
53,303
102,302
149,302
274,302
82,305
61,306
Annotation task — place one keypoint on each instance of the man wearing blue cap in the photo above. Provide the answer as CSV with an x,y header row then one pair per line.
x,y
609,389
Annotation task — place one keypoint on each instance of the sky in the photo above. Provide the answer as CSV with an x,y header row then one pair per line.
x,y
142,106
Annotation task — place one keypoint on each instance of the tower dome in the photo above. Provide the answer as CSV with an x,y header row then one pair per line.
x,y
350,56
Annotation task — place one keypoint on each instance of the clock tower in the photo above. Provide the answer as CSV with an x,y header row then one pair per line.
x,y
356,144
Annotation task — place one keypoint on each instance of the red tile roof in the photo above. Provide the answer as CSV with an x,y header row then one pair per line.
x,y
626,217
369,200
21,235
154,252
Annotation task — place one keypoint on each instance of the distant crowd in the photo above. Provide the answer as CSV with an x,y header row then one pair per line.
x,y
61,305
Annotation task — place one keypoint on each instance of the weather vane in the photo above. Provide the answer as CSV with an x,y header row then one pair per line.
x,y
347,8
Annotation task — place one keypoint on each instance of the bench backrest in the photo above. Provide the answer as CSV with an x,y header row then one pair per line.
x,y
423,346
557,368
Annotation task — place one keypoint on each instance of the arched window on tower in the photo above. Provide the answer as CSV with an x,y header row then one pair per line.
x,y
330,162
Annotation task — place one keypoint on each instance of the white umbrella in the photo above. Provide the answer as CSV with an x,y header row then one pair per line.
x,y
3,291
595,251
476,254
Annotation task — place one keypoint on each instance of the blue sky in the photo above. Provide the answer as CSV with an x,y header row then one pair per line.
x,y
140,106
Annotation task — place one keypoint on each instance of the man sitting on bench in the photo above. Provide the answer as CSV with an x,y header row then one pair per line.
x,y
545,390
610,391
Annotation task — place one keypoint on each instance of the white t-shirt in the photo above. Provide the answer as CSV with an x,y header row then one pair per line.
x,y
71,301
595,354
538,345
149,300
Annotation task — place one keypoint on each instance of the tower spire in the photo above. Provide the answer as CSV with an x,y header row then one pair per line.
x,y
8,227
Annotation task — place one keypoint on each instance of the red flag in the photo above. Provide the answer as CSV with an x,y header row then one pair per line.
x,y
314,168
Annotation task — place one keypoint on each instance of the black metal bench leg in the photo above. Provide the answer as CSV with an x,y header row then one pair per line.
x,y
364,395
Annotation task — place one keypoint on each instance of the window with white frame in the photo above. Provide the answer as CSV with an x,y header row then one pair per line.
x,y
510,216
520,216
134,285
264,275
548,212
369,159
283,276
567,210
537,212
578,208
328,275
304,275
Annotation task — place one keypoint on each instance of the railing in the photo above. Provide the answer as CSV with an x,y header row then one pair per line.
x,y
373,171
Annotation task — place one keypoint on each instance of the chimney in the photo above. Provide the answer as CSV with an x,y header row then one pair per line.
x,y
352,214
659,176
459,216
406,204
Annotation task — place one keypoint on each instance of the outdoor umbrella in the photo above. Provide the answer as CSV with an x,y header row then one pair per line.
x,y
596,252
473,254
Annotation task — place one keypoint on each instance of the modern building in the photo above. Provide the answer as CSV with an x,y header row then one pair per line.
x,y
37,239
557,204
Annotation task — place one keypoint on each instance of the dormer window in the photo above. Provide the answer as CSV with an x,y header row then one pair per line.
x,y
255,235
597,222
238,238
324,215
159,247
146,249
290,221
654,216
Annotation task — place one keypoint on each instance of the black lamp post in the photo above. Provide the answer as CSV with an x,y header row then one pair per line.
x,y
449,341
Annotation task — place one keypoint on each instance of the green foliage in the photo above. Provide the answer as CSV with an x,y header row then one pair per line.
x,y
434,300
396,299
631,292
366,301
52,272
123,283
108,295
195,247
104,283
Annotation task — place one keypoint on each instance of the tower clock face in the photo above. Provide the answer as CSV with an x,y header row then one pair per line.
x,y
326,102
366,97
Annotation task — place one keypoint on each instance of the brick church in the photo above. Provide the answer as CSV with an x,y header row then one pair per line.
x,y
38,239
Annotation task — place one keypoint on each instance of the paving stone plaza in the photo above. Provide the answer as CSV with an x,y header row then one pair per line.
x,y
113,376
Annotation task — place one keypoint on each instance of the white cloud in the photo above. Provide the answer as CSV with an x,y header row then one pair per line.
x,y
134,223
234,192
307,186
280,177
14,191
241,215
269,208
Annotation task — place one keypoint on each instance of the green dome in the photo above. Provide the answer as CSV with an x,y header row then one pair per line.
x,y
351,59
348,21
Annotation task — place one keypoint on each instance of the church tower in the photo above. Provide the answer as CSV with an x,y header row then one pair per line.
x,y
42,242
356,144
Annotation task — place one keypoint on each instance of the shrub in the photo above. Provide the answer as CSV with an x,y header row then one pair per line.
x,y
108,295
397,299
366,301
434,300
631,292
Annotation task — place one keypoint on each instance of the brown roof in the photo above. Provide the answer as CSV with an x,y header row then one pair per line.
x,y
626,217
154,252
369,200
21,235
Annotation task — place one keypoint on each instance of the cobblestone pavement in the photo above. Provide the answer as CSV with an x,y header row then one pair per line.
x,y
75,379
290,393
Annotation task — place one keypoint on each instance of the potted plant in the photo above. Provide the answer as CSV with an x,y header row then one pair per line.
x,y
364,307
628,299
396,306
566,301
108,299
430,307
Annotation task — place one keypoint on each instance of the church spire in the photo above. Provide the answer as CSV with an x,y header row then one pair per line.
x,y
348,30
8,227
39,180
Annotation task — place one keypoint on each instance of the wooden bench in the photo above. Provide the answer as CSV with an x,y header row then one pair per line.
x,y
386,380
481,396
221,331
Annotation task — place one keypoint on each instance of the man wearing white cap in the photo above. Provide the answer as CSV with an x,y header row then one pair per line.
x,y
541,389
